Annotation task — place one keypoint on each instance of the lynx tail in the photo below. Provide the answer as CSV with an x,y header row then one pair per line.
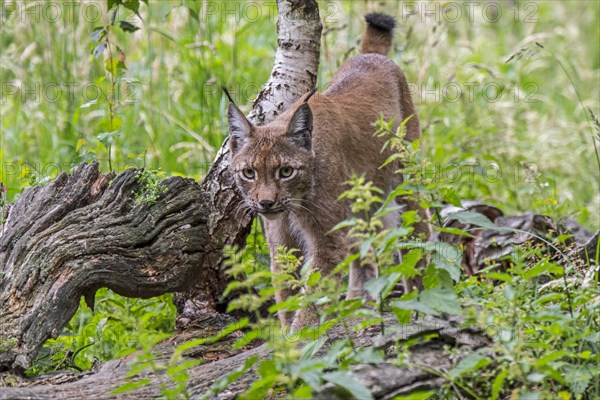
x,y
379,35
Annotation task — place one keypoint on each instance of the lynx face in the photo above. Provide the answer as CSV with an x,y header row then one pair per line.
x,y
272,165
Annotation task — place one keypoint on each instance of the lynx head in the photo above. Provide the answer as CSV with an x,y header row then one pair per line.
x,y
272,164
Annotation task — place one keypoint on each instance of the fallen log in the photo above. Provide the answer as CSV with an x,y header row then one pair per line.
x,y
384,380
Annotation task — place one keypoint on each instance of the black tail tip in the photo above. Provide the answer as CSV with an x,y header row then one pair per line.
x,y
380,21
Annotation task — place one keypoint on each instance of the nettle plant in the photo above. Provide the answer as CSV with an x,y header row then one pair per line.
x,y
541,313
537,307
299,363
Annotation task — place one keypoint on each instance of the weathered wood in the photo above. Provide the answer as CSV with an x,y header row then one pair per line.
x,y
85,231
80,233
492,245
383,380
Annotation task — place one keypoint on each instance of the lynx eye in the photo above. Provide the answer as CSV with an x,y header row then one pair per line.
x,y
249,174
286,172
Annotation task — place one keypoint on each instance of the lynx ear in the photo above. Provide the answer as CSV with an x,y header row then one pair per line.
x,y
240,128
299,130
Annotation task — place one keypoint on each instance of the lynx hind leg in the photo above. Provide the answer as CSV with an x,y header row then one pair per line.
x,y
360,274
277,234
422,230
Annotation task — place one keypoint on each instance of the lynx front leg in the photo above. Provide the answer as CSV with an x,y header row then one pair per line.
x,y
359,274
324,256
278,234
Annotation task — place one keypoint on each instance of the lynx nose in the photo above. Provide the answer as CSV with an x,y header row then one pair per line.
x,y
266,204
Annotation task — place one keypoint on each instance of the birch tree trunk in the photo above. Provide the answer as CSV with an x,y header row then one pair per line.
x,y
86,231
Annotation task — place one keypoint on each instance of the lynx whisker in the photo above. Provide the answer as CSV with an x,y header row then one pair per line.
x,y
296,201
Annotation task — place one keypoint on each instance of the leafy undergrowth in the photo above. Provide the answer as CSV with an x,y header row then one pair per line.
x,y
506,109
539,307
118,326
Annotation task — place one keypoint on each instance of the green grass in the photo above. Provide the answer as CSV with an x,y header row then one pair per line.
x,y
531,149
175,64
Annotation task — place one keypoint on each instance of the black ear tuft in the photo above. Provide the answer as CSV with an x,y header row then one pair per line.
x,y
300,128
240,128
310,94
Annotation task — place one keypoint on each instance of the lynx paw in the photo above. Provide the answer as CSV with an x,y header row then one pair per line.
x,y
305,317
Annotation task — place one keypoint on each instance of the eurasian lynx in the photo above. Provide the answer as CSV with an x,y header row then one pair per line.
x,y
293,170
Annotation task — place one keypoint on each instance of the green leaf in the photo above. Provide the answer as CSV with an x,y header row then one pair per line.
x,y
80,143
472,362
509,292
536,377
414,305
194,13
550,297
303,392
314,278
365,246
369,355
453,231
348,381
578,377
111,125
409,262
472,218
128,27
113,3
383,285
107,137
451,267
542,267
432,278
409,217
450,196
133,5
183,366
335,351
441,299
312,348
450,253
499,383
550,357
375,286
344,224
416,396
529,395
115,67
